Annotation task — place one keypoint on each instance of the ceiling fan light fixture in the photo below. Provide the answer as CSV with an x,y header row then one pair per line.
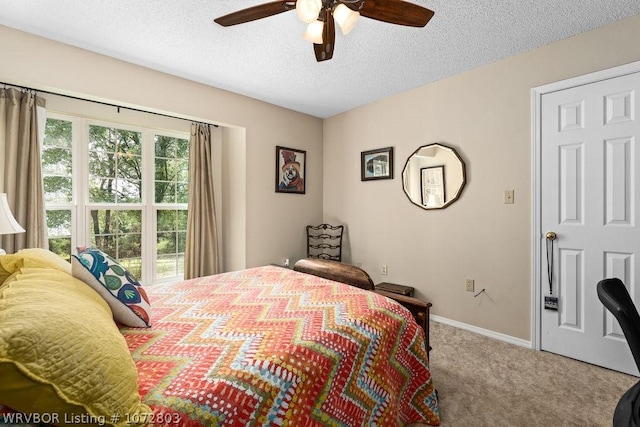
x,y
314,32
327,12
346,18
308,10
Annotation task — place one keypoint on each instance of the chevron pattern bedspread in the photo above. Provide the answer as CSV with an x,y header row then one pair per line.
x,y
270,346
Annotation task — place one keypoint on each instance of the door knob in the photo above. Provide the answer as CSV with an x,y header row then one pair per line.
x,y
551,235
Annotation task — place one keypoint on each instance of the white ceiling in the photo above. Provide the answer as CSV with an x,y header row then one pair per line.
x,y
269,60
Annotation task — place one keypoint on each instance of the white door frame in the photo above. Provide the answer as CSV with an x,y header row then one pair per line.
x,y
536,188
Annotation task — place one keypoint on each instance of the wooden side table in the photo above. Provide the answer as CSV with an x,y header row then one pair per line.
x,y
394,288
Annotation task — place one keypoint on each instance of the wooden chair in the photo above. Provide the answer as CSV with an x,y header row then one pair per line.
x,y
324,241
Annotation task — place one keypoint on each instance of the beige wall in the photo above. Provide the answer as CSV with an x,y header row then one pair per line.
x,y
273,227
486,115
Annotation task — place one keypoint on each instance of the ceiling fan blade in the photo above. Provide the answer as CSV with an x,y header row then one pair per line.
x,y
396,12
324,51
256,12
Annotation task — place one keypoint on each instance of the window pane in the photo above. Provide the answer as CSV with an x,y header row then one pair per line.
x,y
57,133
102,190
171,242
106,242
182,241
165,192
182,169
182,193
167,243
59,223
166,220
163,169
58,189
128,191
61,246
102,164
166,146
102,139
182,219
57,161
183,149
181,264
167,266
129,143
171,167
129,167
129,221
129,246
59,232
115,165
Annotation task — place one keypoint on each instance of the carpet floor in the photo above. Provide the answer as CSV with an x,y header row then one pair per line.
x,y
482,381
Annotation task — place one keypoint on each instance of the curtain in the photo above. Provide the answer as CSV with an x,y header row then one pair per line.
x,y
22,173
201,253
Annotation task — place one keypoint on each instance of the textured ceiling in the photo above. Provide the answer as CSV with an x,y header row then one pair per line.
x,y
269,60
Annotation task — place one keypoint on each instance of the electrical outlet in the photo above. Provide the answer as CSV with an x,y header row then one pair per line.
x,y
286,263
384,269
470,285
508,197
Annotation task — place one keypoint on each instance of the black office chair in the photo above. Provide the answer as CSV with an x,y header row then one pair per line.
x,y
615,297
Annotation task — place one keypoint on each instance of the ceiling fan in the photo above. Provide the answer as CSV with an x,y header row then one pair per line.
x,y
321,16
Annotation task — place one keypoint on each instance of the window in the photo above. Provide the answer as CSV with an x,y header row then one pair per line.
x,y
171,189
57,170
115,165
120,188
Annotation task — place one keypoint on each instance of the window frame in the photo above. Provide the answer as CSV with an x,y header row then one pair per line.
x,y
81,207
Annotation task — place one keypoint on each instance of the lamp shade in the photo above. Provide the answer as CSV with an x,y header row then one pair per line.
x,y
308,10
346,18
8,224
314,32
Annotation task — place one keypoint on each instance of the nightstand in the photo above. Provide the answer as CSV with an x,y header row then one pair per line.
x,y
395,289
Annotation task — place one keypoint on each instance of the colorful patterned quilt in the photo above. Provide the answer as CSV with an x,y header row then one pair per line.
x,y
270,346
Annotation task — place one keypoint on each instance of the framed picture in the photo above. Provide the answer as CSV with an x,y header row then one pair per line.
x,y
376,164
290,170
433,190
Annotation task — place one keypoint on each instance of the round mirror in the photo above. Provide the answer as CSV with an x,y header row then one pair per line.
x,y
434,176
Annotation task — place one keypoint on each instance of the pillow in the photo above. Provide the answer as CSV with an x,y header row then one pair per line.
x,y
33,257
37,257
115,284
60,352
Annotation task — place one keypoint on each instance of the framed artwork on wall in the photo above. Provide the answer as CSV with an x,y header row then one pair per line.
x,y
376,164
433,190
290,170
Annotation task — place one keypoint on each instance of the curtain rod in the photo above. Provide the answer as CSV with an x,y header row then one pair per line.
x,y
102,103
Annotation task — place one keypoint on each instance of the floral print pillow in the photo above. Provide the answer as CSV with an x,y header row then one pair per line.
x,y
124,294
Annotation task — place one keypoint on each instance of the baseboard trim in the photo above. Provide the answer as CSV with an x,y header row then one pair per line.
x,y
481,331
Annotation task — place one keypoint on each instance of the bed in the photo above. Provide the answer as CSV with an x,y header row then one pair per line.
x,y
263,346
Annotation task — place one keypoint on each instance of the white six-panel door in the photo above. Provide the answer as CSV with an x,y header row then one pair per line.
x,y
590,195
